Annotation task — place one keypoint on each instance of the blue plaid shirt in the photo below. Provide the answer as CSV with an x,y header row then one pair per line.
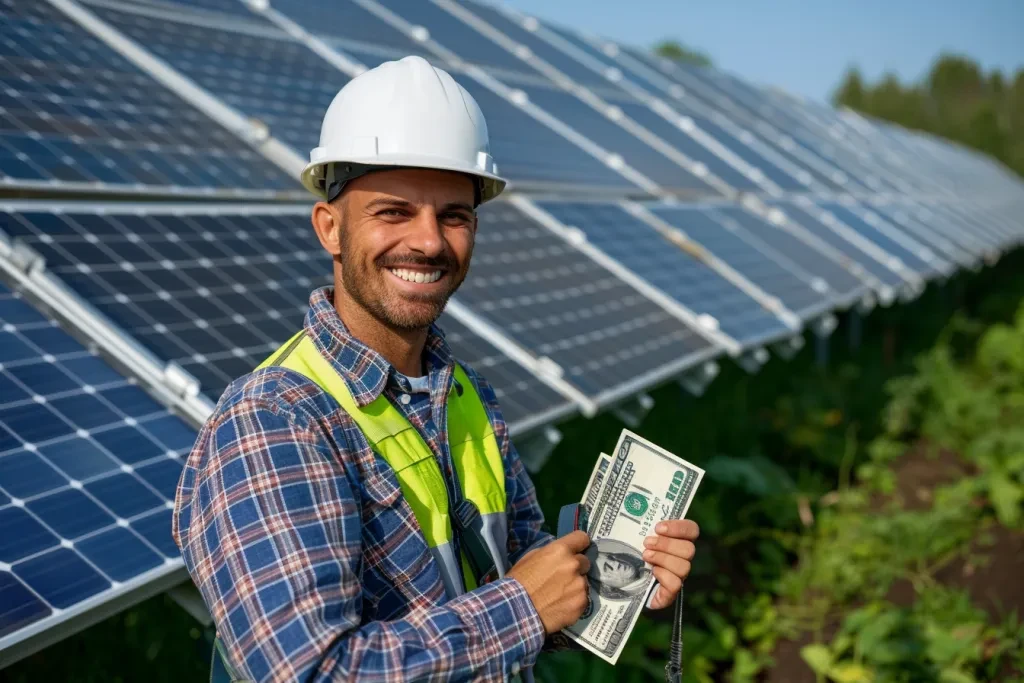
x,y
307,555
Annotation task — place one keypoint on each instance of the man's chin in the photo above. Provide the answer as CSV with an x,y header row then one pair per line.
x,y
411,315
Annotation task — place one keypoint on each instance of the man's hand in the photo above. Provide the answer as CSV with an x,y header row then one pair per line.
x,y
670,552
555,578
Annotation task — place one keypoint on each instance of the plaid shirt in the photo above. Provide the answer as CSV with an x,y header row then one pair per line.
x,y
307,555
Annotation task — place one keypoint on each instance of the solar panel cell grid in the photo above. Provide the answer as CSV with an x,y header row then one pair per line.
x,y
76,111
88,461
672,135
571,67
214,293
810,222
771,277
912,258
559,303
266,75
649,160
453,34
808,258
233,9
686,279
350,21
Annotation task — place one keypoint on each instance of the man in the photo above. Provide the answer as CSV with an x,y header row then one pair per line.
x,y
354,508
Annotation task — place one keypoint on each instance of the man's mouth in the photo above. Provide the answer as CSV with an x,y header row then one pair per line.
x,y
417,276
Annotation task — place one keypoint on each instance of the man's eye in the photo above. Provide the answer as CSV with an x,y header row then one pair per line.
x,y
452,218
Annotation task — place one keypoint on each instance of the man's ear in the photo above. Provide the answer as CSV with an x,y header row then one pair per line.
x,y
327,221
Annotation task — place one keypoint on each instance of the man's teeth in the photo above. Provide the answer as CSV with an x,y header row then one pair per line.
x,y
416,275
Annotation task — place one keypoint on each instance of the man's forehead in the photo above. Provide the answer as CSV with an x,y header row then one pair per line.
x,y
413,186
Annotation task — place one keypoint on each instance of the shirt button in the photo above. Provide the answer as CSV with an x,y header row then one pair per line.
x,y
515,668
405,398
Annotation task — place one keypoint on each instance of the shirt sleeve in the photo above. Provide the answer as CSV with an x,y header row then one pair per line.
x,y
273,543
525,516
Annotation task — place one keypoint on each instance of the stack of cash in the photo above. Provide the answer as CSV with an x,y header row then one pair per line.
x,y
627,495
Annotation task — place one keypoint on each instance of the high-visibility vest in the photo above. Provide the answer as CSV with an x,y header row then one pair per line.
x,y
475,454
474,450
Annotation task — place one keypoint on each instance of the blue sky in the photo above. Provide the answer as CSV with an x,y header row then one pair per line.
x,y
805,46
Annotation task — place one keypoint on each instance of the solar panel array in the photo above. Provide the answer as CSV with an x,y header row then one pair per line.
x,y
658,216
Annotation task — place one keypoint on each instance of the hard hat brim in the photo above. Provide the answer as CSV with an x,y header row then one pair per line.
x,y
491,185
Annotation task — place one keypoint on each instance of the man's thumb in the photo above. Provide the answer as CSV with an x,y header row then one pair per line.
x,y
577,541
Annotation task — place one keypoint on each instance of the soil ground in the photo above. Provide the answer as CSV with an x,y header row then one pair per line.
x,y
995,585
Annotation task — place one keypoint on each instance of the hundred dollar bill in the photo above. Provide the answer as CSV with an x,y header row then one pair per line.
x,y
628,493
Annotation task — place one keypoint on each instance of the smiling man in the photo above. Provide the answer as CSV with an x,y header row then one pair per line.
x,y
354,509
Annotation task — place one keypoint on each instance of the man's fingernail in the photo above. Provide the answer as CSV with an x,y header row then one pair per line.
x,y
650,541
661,528
648,554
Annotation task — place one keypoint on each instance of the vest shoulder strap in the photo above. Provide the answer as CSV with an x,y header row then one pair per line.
x,y
379,419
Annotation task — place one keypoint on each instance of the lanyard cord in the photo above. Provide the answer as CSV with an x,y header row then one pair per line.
x,y
674,666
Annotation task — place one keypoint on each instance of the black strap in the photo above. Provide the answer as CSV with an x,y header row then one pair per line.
x,y
674,666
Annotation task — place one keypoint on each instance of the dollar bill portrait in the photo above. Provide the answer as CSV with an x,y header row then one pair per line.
x,y
617,570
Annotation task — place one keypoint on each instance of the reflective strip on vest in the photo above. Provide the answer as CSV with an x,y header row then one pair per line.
x,y
473,446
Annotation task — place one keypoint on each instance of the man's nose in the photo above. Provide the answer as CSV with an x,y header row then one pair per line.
x,y
425,234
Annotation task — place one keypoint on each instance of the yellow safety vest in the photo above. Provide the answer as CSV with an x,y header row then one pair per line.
x,y
473,446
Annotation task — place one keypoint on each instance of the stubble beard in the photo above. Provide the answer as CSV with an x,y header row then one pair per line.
x,y
369,289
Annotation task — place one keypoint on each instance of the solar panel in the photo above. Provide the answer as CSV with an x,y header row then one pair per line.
x,y
956,246
790,181
89,463
352,22
914,255
978,222
233,10
649,160
217,289
515,29
559,303
794,288
834,269
581,44
871,263
525,401
679,274
75,111
455,35
263,73
674,135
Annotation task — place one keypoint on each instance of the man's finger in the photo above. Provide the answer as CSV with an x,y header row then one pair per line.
x,y
670,583
677,565
672,546
685,529
584,563
577,541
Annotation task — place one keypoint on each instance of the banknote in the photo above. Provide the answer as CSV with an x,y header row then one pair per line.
x,y
628,493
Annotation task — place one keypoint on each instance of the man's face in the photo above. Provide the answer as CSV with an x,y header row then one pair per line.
x,y
614,572
406,241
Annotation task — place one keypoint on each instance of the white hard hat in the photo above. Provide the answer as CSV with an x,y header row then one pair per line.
x,y
405,113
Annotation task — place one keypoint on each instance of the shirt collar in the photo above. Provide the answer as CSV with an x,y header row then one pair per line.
x,y
365,371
